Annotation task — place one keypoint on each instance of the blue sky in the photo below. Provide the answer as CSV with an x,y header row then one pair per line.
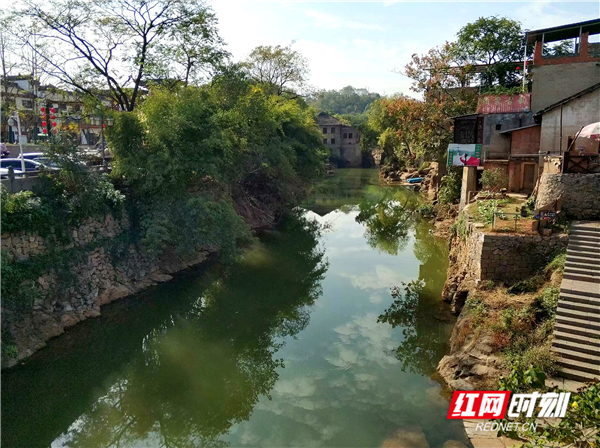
x,y
360,44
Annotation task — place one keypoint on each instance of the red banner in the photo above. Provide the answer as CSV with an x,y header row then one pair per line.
x,y
503,104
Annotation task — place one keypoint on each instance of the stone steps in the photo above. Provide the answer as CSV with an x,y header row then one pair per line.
x,y
577,326
591,315
577,375
585,265
581,277
593,271
584,357
585,350
571,252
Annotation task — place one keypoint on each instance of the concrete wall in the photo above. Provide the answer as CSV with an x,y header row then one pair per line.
x,y
347,149
575,114
497,145
552,83
580,194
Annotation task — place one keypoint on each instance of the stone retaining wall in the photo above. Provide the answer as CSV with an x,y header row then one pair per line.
x,y
502,258
93,277
580,194
510,258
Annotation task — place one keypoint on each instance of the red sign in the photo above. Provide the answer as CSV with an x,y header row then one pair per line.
x,y
503,104
478,404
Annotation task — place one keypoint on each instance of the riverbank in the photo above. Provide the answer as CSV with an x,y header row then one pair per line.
x,y
298,342
51,286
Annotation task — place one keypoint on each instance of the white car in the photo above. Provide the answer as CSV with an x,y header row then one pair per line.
x,y
4,173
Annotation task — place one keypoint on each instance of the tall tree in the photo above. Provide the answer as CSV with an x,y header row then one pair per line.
x,y
348,100
117,45
495,42
283,69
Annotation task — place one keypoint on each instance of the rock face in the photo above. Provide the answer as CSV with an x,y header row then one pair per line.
x,y
580,194
470,364
93,277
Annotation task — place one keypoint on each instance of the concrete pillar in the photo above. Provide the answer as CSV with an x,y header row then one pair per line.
x,y
469,183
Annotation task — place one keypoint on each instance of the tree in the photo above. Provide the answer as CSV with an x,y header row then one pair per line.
x,y
117,45
348,100
496,42
283,69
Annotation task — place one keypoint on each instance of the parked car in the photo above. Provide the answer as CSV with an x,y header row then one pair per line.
x,y
4,173
31,155
30,165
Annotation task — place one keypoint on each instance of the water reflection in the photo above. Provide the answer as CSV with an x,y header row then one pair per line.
x,y
425,322
202,370
229,358
388,218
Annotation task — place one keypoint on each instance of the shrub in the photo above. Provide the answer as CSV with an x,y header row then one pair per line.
x,y
557,263
494,180
426,210
529,285
547,301
450,186
486,210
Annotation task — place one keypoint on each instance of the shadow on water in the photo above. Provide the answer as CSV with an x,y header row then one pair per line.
x,y
176,366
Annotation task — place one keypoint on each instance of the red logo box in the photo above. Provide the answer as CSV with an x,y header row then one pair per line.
x,y
486,404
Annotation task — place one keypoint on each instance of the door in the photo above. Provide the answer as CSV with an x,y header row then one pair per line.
x,y
528,176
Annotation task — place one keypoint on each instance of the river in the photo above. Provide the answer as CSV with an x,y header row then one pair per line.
x,y
301,342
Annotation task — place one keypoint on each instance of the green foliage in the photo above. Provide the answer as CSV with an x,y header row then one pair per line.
x,y
523,380
189,153
426,210
580,425
531,284
547,301
280,69
348,100
486,209
193,223
450,186
494,180
460,228
495,42
66,197
476,309
557,264
424,166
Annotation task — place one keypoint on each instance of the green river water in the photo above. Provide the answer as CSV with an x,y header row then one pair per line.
x,y
299,343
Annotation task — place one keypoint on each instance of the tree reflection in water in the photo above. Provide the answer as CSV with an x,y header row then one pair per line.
x,y
204,369
388,218
418,309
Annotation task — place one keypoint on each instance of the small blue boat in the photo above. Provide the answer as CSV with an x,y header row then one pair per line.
x,y
414,180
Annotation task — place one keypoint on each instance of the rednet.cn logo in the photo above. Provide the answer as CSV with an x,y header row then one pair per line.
x,y
491,405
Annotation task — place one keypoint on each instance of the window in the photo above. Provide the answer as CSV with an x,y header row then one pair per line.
x,y
498,127
27,104
324,130
333,130
333,141
345,135
350,135
324,141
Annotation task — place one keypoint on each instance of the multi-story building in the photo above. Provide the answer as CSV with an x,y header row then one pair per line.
x,y
27,96
342,140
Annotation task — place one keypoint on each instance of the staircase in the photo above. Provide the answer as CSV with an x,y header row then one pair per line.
x,y
577,328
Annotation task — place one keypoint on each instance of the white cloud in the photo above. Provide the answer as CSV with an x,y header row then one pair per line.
x,y
329,21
